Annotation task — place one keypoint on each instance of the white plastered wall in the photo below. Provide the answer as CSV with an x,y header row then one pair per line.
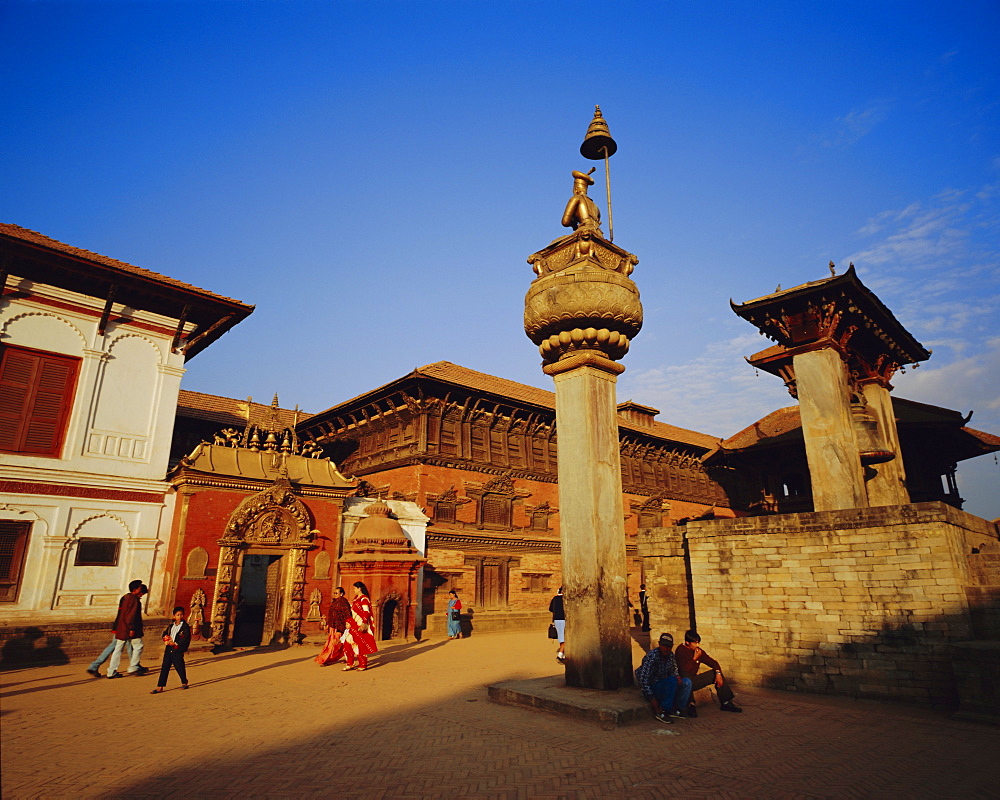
x,y
117,440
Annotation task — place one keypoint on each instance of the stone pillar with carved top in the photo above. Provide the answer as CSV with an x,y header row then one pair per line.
x,y
837,348
827,429
582,310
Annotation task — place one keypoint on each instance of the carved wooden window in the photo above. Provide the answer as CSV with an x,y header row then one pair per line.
x,y
497,447
444,512
97,552
539,521
449,436
536,582
478,442
36,395
496,511
538,452
650,517
515,455
13,547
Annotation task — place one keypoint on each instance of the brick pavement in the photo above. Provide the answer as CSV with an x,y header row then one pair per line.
x,y
273,724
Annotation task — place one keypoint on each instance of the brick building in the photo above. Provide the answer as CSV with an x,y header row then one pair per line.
x,y
478,454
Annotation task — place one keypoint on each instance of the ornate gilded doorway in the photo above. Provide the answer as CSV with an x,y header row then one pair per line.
x,y
259,602
260,584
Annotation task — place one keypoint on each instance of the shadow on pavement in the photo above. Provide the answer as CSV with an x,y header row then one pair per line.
x,y
246,673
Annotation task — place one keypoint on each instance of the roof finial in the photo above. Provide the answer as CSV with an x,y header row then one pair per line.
x,y
833,269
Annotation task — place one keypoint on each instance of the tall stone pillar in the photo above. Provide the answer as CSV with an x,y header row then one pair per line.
x,y
888,486
828,430
592,523
581,310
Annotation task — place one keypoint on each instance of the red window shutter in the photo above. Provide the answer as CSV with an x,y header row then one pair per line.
x,y
36,395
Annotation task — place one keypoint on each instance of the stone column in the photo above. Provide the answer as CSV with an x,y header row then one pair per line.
x,y
592,523
828,430
582,311
888,486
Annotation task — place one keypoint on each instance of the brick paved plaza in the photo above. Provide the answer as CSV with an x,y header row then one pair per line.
x,y
271,723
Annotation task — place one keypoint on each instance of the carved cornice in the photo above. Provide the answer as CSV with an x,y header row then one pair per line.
x,y
468,541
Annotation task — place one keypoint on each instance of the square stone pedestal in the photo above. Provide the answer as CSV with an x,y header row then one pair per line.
x,y
609,709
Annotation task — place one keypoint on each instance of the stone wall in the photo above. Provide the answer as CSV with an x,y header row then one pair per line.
x,y
863,602
62,642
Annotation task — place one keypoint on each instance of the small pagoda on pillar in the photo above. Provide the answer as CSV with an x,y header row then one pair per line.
x,y
838,347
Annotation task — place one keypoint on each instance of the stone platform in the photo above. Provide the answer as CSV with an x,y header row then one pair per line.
x,y
610,710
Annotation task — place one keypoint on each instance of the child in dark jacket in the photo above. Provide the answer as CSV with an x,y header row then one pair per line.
x,y
176,639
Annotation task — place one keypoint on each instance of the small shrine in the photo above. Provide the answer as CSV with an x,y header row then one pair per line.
x,y
256,532
837,348
380,554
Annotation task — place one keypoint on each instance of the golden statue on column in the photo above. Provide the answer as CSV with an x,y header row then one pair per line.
x,y
583,310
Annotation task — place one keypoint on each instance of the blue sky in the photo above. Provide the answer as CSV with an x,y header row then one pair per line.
x,y
373,175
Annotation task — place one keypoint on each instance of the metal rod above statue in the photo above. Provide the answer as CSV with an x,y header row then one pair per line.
x,y
598,144
583,310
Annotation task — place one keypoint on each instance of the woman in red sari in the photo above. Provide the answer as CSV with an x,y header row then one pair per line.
x,y
359,640
336,625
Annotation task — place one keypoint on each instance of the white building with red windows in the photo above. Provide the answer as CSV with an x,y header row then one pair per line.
x,y
92,351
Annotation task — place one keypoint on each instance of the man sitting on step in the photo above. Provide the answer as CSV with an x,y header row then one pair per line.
x,y
661,684
690,657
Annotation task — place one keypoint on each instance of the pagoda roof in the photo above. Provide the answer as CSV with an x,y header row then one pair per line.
x,y
511,392
797,316
37,257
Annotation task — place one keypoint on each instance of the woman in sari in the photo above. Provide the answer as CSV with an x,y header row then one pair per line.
x,y
336,624
358,639
454,616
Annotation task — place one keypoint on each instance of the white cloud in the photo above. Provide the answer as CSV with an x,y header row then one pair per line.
x,y
855,124
716,393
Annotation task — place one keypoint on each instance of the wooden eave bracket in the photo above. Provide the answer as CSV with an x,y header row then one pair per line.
x,y
179,333
102,326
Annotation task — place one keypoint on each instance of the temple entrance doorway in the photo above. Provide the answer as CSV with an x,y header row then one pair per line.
x,y
258,609
388,618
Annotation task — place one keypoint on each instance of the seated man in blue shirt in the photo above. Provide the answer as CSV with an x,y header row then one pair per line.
x,y
661,683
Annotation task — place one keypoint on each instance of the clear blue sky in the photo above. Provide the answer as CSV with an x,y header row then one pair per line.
x,y
372,175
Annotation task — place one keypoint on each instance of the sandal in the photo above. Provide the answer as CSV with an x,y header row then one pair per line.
x,y
158,691
347,669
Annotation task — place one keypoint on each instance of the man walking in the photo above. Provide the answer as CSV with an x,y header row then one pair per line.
x,y
128,628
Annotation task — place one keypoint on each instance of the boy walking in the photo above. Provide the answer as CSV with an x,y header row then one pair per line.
x,y
176,639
